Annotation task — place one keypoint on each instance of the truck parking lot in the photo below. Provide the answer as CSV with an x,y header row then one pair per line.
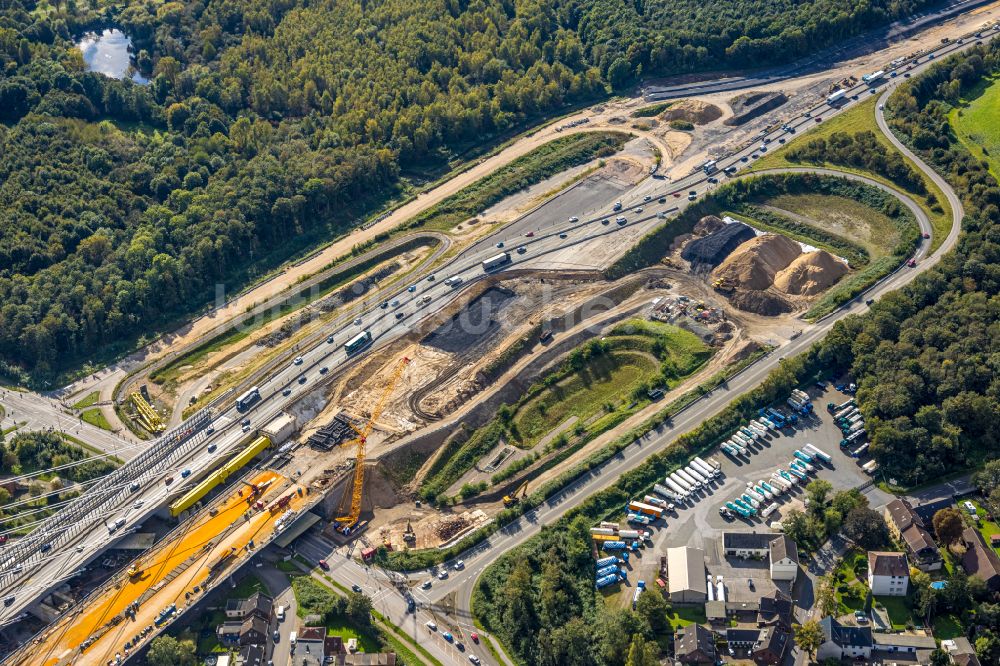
x,y
699,524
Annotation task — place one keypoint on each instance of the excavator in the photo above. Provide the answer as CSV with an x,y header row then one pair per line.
x,y
516,496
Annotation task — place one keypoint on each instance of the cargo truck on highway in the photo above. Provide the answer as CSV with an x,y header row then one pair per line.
x,y
873,77
499,260
245,401
836,96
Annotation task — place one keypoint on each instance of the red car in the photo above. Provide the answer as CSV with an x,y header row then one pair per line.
x,y
926,235
474,636
323,565
530,234
911,263
819,120
677,194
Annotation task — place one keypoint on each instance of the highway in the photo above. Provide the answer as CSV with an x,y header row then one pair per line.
x,y
858,45
448,602
23,579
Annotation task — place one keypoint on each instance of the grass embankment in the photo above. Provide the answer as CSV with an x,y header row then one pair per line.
x,y
861,118
88,401
599,385
651,110
542,162
95,417
975,122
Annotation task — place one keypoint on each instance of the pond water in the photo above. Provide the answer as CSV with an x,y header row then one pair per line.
x,y
110,54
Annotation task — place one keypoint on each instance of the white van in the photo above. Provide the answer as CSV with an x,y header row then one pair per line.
x,y
292,636
280,613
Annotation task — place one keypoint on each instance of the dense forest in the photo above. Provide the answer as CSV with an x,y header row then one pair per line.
x,y
927,358
269,126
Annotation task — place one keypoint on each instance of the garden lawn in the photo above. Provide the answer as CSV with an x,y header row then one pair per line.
x,y
898,610
986,527
947,626
861,118
682,617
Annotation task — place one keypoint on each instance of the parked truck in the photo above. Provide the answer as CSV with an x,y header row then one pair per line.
x,y
614,545
655,501
605,561
869,467
675,487
802,455
687,477
781,481
763,491
602,531
709,469
750,501
606,580
860,451
732,506
800,475
676,478
648,509
697,474
819,453
753,493
775,489
639,518
751,433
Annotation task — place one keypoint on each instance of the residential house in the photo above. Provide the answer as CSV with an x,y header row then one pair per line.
x,y
686,575
310,647
770,646
694,644
775,611
909,647
742,639
980,560
844,642
784,559
961,651
906,526
888,574
251,655
779,549
258,604
366,659
253,631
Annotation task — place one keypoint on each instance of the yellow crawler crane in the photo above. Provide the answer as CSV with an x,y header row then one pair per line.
x,y
357,489
148,417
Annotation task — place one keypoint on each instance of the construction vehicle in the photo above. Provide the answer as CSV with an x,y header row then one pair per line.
x,y
350,520
409,536
148,418
723,285
516,496
134,572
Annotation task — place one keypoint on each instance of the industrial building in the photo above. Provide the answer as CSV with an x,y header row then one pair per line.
x,y
686,575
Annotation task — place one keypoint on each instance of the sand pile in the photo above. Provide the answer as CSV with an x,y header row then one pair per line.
x,y
713,249
810,273
754,264
708,224
692,110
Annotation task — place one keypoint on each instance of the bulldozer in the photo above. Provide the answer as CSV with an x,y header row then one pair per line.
x,y
134,572
516,496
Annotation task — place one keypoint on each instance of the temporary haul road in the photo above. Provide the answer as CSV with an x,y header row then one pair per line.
x,y
27,573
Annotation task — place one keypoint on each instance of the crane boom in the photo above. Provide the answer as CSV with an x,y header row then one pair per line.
x,y
357,490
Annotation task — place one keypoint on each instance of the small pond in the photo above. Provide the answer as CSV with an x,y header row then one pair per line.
x,y
110,53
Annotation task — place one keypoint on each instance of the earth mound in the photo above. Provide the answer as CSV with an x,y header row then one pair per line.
x,y
760,302
754,264
694,111
708,224
713,249
810,273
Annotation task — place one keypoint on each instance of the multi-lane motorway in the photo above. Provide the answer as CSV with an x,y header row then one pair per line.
x,y
27,577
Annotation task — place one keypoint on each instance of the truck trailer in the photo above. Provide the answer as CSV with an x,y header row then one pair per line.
x,y
497,261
